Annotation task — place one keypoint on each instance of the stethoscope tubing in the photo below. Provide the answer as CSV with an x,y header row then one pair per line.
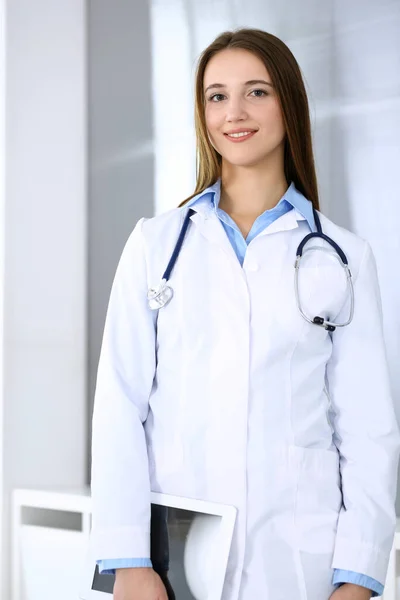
x,y
161,296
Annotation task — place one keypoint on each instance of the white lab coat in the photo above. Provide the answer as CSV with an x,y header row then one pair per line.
x,y
220,396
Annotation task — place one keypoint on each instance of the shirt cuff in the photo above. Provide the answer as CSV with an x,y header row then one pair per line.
x,y
108,566
341,576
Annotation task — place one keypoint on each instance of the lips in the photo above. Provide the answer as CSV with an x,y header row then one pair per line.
x,y
239,135
240,130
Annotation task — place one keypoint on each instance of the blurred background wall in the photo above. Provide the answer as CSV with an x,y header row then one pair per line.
x,y
45,249
99,107
2,248
120,148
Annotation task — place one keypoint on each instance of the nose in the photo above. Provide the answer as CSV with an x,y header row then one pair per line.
x,y
235,110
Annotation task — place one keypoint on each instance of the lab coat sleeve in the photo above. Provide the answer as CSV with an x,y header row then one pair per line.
x,y
365,432
120,485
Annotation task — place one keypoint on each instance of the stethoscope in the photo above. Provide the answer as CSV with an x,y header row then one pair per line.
x,y
160,296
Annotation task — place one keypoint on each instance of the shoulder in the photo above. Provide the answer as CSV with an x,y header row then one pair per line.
x,y
161,232
160,224
149,229
150,243
154,237
356,248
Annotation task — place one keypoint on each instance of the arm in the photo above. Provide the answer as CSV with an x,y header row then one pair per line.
x,y
366,433
120,476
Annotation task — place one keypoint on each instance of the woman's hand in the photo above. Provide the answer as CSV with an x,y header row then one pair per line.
x,y
139,583
350,591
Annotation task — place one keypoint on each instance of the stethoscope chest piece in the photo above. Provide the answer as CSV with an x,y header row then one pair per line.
x,y
159,296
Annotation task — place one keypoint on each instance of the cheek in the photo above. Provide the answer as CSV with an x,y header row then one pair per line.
x,y
213,119
272,120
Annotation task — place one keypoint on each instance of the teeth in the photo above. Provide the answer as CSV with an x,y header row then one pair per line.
x,y
241,134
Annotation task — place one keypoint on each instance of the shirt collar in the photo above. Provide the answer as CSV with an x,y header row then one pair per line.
x,y
210,198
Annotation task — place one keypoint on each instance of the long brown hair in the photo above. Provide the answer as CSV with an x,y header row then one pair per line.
x,y
289,85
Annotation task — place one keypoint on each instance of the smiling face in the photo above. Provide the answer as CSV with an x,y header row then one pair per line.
x,y
242,111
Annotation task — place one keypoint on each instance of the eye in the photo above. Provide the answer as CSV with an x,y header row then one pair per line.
x,y
216,97
259,93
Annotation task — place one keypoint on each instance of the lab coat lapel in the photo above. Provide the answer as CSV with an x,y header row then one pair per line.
x,y
209,225
284,223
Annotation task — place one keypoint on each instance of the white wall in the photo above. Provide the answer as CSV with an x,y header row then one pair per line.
x,y
120,148
2,230
44,441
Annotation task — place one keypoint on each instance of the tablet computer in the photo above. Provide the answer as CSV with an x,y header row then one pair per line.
x,y
192,538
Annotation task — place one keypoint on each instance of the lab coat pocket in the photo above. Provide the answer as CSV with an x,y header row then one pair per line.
x,y
318,499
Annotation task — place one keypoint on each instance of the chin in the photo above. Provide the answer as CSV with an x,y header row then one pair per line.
x,y
244,161
252,157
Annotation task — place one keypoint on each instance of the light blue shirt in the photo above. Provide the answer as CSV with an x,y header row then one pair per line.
x,y
292,199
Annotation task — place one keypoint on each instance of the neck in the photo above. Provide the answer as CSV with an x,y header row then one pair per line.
x,y
249,191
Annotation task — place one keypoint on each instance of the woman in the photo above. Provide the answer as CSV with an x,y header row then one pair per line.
x,y
227,393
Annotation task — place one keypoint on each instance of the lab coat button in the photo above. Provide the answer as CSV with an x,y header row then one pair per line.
x,y
252,266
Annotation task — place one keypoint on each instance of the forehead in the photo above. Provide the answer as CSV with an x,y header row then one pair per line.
x,y
234,65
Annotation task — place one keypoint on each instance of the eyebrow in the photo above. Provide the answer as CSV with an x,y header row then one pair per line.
x,y
251,82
